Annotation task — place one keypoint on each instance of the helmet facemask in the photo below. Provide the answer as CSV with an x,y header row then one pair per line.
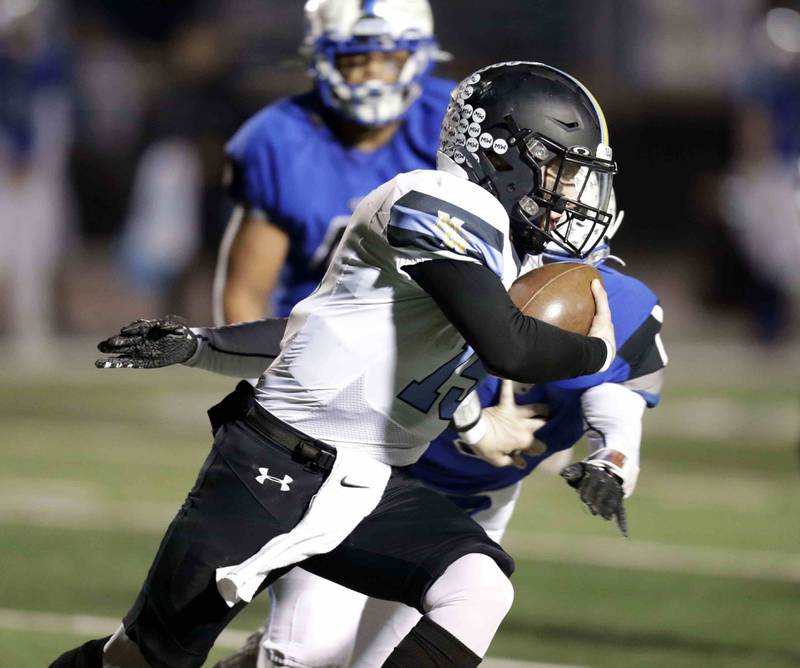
x,y
558,199
568,208
374,102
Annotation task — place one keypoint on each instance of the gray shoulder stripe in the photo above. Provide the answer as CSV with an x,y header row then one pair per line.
x,y
651,382
400,238
474,224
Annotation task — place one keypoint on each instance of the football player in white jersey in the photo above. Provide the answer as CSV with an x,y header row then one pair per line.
x,y
309,468
299,632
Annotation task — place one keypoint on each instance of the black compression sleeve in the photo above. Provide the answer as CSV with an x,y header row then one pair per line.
x,y
509,344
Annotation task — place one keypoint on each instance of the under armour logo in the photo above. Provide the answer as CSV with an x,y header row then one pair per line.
x,y
264,476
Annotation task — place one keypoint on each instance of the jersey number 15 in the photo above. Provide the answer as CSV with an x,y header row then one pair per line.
x,y
447,386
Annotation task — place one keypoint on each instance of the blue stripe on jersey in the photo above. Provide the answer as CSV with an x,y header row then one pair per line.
x,y
433,224
409,228
489,235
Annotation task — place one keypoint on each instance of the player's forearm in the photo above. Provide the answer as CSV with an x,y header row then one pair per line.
x,y
242,351
613,415
536,352
508,343
242,304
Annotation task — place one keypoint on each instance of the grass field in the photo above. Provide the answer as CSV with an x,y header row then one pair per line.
x,y
96,462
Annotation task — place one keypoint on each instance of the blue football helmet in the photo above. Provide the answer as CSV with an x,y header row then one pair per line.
x,y
343,27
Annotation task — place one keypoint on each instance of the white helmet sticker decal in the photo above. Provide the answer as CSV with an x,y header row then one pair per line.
x,y
500,146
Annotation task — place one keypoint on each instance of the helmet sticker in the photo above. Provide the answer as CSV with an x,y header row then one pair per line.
x,y
500,146
472,144
604,152
475,78
485,140
463,126
479,115
458,156
474,129
466,110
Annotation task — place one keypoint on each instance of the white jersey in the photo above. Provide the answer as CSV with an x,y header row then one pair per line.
x,y
368,360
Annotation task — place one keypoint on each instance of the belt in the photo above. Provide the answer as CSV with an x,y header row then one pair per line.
x,y
305,450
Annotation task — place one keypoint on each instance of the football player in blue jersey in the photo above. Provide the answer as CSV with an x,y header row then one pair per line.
x,y
300,165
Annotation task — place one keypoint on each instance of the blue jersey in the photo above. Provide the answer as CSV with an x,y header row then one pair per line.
x,y
778,95
288,164
639,355
21,79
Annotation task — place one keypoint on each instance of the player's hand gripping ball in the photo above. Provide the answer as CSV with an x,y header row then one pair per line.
x,y
148,344
559,293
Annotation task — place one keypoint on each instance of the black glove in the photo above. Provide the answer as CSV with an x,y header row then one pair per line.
x,y
148,344
600,490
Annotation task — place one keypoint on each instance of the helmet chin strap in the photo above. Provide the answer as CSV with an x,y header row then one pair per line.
x,y
525,237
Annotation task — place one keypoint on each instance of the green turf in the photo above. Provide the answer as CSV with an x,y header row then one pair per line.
x,y
96,463
28,649
614,618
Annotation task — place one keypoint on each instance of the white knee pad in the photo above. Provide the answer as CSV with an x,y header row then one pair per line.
x,y
470,599
312,623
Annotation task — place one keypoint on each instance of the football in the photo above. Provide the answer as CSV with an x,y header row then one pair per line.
x,y
559,293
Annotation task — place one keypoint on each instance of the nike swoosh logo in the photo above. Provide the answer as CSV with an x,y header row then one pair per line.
x,y
344,483
569,126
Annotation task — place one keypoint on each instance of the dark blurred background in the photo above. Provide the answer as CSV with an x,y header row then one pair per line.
x,y
113,116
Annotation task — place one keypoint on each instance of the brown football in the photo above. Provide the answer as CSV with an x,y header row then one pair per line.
x,y
559,293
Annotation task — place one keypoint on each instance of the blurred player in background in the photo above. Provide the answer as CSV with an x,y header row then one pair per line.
x,y
35,132
300,166
762,188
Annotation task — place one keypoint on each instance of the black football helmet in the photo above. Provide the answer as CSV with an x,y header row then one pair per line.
x,y
536,138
